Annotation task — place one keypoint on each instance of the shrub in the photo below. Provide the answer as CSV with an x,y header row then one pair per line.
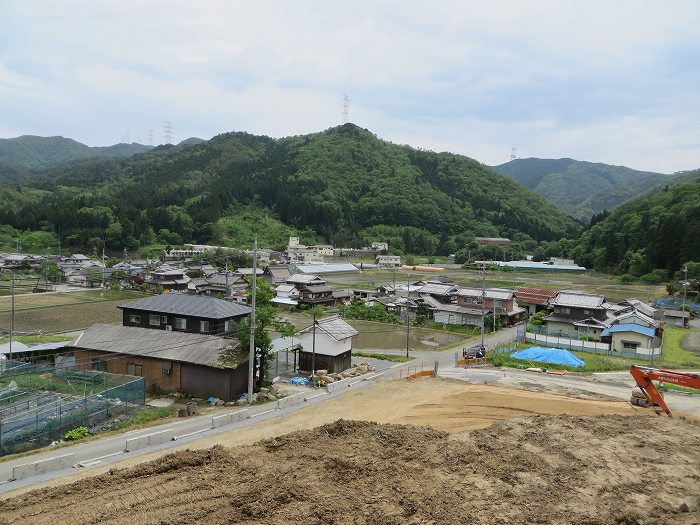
x,y
654,277
76,433
627,278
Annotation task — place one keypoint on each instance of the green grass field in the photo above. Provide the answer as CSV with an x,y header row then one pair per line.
x,y
673,354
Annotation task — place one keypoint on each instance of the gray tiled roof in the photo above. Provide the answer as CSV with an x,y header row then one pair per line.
x,y
187,304
335,327
161,344
578,300
438,289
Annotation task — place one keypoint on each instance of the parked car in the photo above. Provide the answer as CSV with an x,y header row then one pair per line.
x,y
474,352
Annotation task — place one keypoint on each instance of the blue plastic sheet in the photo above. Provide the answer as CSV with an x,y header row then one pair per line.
x,y
300,381
557,356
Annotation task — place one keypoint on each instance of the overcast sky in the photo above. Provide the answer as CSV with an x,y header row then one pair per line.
x,y
615,82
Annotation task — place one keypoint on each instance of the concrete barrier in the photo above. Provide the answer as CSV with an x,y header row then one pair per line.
x,y
156,438
43,466
339,385
297,399
227,419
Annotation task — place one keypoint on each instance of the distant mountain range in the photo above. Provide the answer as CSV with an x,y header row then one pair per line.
x,y
31,153
581,189
343,185
657,230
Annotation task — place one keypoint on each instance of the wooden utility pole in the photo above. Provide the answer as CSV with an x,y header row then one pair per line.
x,y
251,352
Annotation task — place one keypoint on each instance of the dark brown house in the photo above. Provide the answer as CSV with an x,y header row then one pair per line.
x,y
199,365
184,313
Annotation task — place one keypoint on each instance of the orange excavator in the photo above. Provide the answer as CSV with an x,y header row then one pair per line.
x,y
646,394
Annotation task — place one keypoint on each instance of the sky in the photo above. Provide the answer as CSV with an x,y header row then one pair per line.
x,y
614,82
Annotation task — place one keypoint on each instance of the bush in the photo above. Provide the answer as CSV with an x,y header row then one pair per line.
x,y
627,278
76,433
654,277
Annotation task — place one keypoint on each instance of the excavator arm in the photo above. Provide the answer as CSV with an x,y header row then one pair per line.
x,y
645,376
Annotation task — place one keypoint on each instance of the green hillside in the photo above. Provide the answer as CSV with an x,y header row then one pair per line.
x,y
342,186
29,152
658,230
580,189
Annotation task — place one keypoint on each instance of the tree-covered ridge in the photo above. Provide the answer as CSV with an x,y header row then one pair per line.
x,y
581,189
343,184
29,152
656,231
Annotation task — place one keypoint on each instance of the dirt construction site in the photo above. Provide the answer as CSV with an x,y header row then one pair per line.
x,y
428,451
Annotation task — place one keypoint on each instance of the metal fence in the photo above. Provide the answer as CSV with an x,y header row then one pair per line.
x,y
571,343
39,404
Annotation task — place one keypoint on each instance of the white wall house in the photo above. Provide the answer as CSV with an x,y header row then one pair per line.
x,y
388,261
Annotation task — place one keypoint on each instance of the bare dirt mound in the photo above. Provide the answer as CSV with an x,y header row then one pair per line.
x,y
544,469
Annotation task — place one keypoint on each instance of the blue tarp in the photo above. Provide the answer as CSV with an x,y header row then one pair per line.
x,y
557,356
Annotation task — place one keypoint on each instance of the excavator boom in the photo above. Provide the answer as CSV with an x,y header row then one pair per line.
x,y
645,376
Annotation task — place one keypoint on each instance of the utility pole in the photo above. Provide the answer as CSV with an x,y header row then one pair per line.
x,y
12,321
685,285
483,295
251,353
313,348
494,313
408,317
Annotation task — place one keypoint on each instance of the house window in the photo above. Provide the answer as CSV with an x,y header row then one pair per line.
x,y
154,320
98,364
164,319
228,326
135,319
586,312
630,345
180,323
132,369
204,326
565,310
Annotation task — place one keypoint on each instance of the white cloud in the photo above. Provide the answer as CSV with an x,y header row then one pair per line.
x,y
596,80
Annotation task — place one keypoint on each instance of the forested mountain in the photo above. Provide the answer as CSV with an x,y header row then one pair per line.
x,y
580,189
28,152
343,186
658,230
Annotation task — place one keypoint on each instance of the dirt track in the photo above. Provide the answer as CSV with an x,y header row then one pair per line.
x,y
581,468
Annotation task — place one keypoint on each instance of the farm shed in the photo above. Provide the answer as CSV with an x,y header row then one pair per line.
x,y
199,365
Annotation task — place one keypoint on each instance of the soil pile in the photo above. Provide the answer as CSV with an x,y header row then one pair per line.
x,y
544,469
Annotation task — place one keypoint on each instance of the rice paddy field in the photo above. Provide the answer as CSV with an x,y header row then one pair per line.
x,y
65,311
589,282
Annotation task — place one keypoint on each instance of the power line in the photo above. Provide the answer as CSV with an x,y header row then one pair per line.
x,y
168,132
346,109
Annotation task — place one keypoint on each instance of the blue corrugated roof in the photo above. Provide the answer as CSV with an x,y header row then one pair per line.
x,y
629,327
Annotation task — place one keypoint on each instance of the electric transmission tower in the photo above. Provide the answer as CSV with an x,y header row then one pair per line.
x,y
168,132
150,137
346,109
513,156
